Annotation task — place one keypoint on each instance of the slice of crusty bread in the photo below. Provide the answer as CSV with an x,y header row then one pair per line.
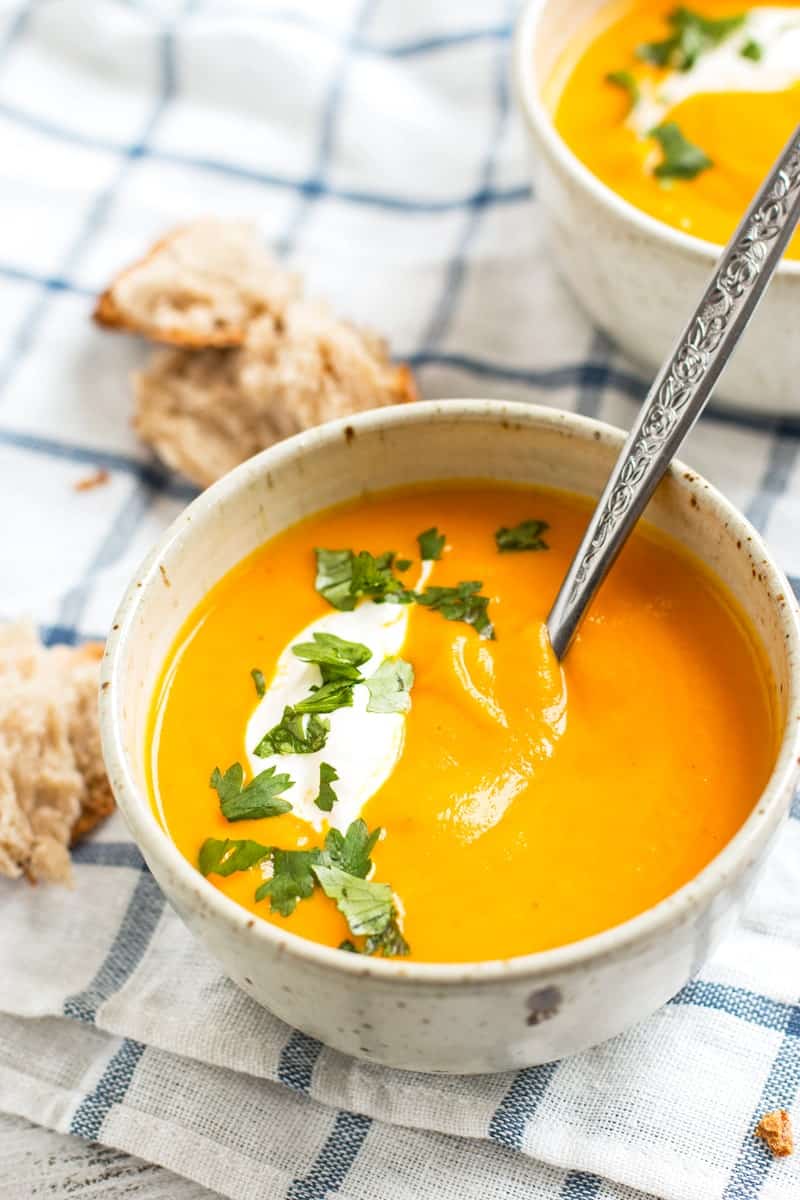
x,y
199,286
53,787
206,411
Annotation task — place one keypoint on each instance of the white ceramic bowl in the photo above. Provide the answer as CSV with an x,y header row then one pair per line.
x,y
456,1017
638,278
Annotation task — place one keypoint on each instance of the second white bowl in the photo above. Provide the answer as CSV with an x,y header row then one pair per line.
x,y
638,278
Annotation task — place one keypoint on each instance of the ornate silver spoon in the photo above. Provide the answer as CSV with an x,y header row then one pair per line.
x,y
682,387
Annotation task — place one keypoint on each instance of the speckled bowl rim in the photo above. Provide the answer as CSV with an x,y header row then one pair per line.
x,y
675,909
537,116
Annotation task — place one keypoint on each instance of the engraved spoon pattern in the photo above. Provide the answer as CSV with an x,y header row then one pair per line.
x,y
682,387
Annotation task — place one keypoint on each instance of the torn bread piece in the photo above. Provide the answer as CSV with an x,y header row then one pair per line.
x,y
204,412
53,786
200,286
775,1129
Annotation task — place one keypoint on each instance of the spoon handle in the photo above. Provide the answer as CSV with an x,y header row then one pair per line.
x,y
682,387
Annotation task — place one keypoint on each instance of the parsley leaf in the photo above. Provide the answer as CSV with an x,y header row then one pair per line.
x,y
752,50
390,942
232,854
326,797
460,603
349,946
626,81
367,907
259,681
259,799
326,699
336,658
292,880
691,36
351,851
389,687
682,160
402,564
525,536
291,736
431,543
343,577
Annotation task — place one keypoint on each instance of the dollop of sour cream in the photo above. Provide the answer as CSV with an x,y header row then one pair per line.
x,y
725,69
363,747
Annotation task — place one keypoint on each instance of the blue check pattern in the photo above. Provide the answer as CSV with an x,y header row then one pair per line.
x,y
379,147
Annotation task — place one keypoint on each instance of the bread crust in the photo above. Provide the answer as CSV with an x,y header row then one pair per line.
x,y
185,272
53,785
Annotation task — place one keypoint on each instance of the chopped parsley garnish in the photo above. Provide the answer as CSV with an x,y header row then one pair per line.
x,y
460,603
626,81
292,880
367,907
682,159
261,797
691,36
326,796
752,50
335,657
431,543
326,699
390,686
232,854
294,735
351,851
525,536
259,681
349,946
390,942
402,564
343,577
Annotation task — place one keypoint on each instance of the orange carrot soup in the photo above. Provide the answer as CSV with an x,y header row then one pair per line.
x,y
362,734
682,110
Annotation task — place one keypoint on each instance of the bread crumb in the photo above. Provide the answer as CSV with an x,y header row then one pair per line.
x,y
206,411
96,479
53,786
775,1129
200,286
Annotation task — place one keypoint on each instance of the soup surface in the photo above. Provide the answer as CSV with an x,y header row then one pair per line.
x,y
522,805
682,110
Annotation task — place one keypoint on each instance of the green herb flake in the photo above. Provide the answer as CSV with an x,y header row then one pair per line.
x,y
460,603
431,544
326,797
390,942
335,657
292,880
349,946
682,159
752,50
691,35
229,855
390,687
260,798
351,851
628,83
402,564
259,681
326,699
344,577
293,735
525,536
367,907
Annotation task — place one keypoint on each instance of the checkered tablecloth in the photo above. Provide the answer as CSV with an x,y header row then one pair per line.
x,y
377,145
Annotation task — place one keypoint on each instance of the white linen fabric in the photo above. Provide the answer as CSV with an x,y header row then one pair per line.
x,y
377,146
